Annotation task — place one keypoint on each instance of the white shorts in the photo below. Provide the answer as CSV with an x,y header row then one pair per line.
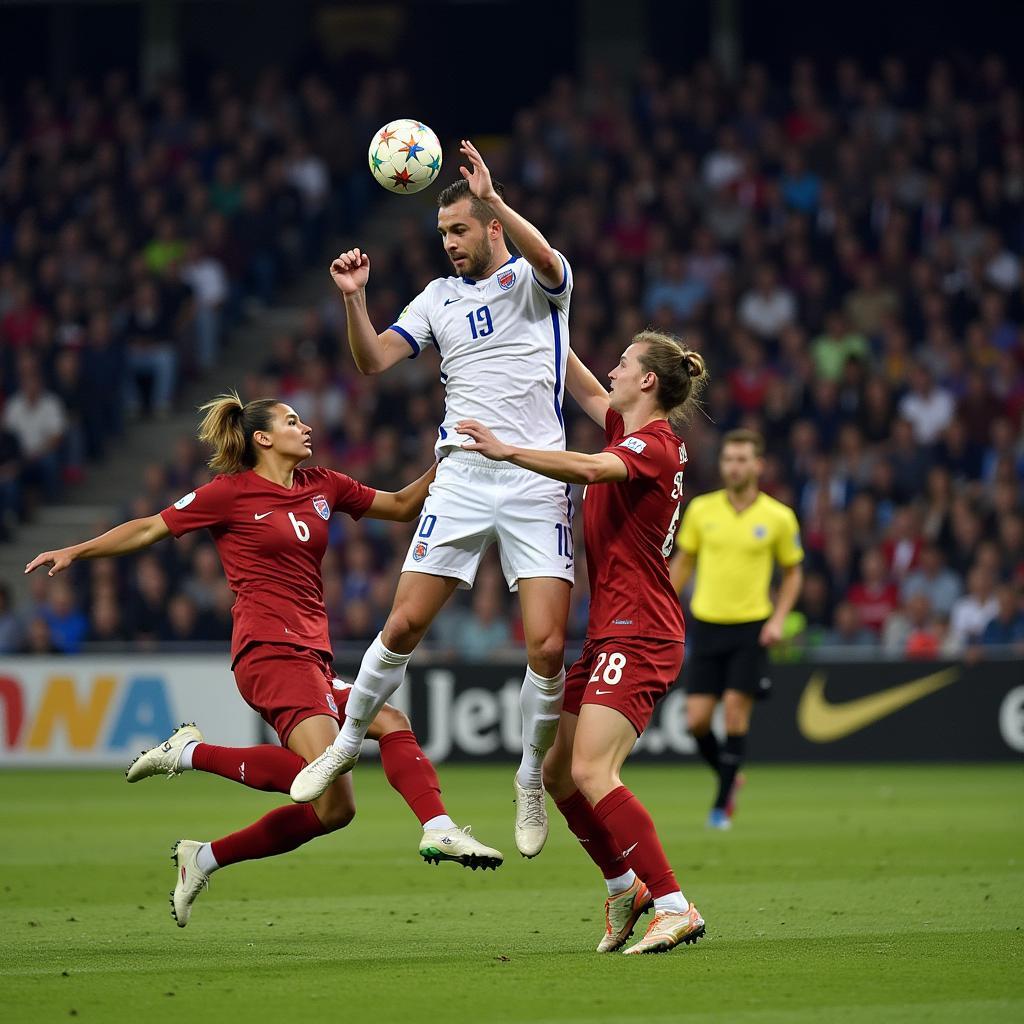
x,y
474,502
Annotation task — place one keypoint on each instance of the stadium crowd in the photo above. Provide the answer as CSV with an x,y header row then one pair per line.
x,y
843,247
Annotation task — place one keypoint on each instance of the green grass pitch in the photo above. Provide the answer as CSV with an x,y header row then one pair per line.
x,y
842,894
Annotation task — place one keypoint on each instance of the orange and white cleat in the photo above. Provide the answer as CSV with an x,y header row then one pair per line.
x,y
621,913
668,930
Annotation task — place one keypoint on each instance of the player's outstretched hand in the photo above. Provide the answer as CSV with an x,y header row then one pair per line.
x,y
57,560
351,271
484,441
477,174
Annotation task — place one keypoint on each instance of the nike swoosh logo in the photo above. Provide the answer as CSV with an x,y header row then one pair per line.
x,y
262,515
448,302
601,693
626,853
823,722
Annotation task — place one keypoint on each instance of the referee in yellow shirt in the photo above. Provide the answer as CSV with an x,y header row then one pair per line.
x,y
733,538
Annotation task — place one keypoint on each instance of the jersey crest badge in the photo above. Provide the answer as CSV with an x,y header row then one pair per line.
x,y
506,278
323,510
331,702
419,552
760,532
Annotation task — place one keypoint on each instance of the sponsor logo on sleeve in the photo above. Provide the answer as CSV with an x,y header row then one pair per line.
x,y
634,444
506,278
323,510
185,501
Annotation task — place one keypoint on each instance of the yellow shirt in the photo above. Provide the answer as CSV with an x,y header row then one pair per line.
x,y
735,553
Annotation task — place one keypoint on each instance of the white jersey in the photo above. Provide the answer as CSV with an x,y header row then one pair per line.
x,y
503,342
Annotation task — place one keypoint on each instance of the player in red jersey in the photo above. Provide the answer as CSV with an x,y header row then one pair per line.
x,y
269,521
634,645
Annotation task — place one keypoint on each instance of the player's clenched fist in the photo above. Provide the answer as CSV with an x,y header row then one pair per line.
x,y
351,271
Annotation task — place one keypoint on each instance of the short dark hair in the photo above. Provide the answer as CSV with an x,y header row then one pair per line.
x,y
744,436
460,190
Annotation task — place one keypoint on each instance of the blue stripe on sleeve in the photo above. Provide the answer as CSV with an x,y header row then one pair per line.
x,y
413,343
557,328
561,287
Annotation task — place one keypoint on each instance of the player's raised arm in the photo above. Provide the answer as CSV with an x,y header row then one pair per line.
x,y
402,506
588,391
569,467
372,352
121,540
546,263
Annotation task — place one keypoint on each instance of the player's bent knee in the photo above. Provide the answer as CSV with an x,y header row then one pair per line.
x,y
547,658
590,777
334,816
390,720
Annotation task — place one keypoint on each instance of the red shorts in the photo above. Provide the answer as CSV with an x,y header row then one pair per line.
x,y
628,674
286,684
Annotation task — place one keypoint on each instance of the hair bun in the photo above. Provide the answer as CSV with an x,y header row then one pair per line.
x,y
694,364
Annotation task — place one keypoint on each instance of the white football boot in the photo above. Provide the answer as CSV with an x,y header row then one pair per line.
x,y
531,820
165,758
313,780
458,845
190,881
669,929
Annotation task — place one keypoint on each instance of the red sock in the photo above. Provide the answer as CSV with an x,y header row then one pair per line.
x,y
265,767
410,772
283,829
633,831
595,839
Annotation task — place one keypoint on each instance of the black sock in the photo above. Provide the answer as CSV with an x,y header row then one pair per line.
x,y
708,747
729,762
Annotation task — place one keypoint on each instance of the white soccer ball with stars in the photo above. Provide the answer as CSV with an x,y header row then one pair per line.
x,y
405,156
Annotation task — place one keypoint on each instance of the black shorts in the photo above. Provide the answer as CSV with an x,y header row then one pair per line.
x,y
723,657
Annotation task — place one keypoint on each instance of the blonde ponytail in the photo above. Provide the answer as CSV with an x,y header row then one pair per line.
x,y
681,372
228,427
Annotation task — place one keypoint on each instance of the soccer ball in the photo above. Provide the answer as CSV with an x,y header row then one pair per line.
x,y
405,156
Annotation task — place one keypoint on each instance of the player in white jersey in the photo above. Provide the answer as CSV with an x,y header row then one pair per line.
x,y
500,327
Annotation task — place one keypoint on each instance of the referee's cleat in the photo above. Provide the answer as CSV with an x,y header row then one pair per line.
x,y
165,758
621,913
719,819
459,846
531,827
191,881
312,782
668,930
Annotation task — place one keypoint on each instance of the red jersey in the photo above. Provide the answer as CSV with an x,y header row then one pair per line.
x,y
271,540
628,530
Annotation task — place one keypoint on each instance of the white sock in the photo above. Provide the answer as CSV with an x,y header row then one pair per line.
x,y
621,883
380,673
541,703
205,860
185,762
674,901
441,821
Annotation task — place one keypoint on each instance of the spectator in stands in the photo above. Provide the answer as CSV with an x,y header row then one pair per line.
x,y
927,407
848,630
151,351
875,596
914,631
68,625
934,580
10,627
38,420
974,611
1006,628
768,308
